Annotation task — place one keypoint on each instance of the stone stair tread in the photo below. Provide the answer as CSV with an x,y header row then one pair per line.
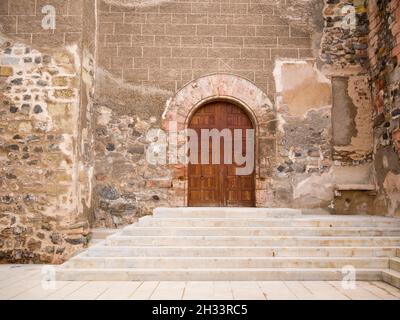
x,y
231,258
394,264
278,241
112,248
295,219
106,230
194,274
225,212
219,269
121,236
393,273
261,228
391,277
222,262
238,251
162,223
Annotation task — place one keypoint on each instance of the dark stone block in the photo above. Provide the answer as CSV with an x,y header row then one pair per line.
x,y
42,83
76,241
13,109
32,138
56,238
109,193
54,147
60,250
29,198
13,147
136,150
110,147
37,109
46,59
379,120
17,81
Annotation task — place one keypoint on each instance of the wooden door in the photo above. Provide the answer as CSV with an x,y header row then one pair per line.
x,y
218,185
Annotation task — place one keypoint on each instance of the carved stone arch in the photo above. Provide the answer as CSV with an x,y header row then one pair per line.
x,y
245,94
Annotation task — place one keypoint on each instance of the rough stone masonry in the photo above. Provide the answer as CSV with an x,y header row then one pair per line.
x,y
321,78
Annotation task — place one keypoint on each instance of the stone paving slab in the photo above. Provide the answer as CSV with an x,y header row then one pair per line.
x,y
26,283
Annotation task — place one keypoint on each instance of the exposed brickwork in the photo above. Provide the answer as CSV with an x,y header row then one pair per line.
x,y
384,56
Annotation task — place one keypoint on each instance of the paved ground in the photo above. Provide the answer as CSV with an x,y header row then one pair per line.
x,y
26,282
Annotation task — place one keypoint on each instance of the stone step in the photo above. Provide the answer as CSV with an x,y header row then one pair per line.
x,y
259,231
163,251
391,277
149,221
247,274
293,241
225,262
95,242
102,233
394,264
224,213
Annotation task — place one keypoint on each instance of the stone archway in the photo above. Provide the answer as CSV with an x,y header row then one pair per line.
x,y
240,91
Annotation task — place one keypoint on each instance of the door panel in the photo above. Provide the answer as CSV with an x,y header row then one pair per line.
x,y
218,184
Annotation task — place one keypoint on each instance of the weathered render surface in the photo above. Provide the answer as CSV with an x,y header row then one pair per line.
x,y
78,102
345,61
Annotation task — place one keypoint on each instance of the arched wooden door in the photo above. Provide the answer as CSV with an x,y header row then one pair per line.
x,y
218,185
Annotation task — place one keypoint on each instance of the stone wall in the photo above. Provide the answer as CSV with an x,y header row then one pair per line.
x,y
384,56
79,100
293,51
41,219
